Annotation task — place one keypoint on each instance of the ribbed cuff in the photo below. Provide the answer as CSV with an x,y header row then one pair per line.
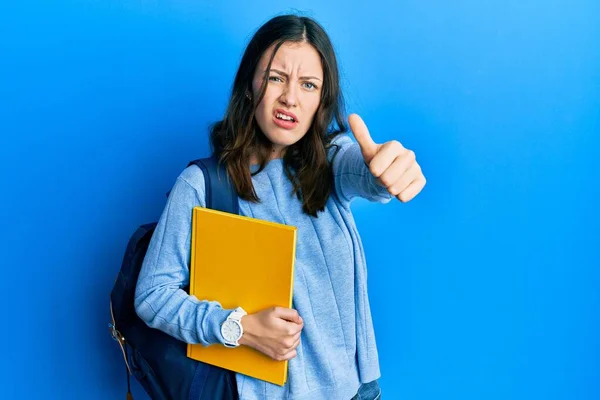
x,y
212,325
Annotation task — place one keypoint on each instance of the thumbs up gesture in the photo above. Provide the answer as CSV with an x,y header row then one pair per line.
x,y
394,166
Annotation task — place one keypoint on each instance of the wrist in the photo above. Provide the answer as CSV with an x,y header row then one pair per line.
x,y
232,328
247,322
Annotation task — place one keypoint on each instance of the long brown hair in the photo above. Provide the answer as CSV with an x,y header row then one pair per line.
x,y
237,136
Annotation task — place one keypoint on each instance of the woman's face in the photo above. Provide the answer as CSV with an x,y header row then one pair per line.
x,y
292,96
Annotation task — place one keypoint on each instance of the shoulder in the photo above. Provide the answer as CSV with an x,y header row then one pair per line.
x,y
189,186
339,145
192,176
343,139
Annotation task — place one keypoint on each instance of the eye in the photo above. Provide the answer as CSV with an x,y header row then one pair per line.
x,y
310,85
275,79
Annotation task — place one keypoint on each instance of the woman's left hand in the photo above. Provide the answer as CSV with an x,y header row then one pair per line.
x,y
393,165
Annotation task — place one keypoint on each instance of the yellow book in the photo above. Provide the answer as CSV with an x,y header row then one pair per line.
x,y
247,262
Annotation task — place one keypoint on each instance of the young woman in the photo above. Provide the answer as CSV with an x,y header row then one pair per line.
x,y
283,142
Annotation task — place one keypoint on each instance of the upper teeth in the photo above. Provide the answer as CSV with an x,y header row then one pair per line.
x,y
283,116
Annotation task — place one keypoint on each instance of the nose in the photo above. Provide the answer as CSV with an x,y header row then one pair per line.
x,y
289,97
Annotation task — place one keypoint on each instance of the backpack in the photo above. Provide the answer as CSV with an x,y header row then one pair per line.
x,y
157,360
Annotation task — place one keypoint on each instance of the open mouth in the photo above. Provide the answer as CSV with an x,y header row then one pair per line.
x,y
284,117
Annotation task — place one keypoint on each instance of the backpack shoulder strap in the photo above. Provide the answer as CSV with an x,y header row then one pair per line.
x,y
220,191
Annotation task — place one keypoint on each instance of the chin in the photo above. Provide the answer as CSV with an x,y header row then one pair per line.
x,y
281,137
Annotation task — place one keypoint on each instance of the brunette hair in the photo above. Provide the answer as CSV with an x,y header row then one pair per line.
x,y
237,136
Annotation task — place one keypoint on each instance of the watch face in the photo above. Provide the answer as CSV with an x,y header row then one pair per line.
x,y
231,331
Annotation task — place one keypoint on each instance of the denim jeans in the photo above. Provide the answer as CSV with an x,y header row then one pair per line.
x,y
368,391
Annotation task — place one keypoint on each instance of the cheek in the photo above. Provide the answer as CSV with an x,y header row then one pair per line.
x,y
312,105
256,84
262,116
264,111
272,93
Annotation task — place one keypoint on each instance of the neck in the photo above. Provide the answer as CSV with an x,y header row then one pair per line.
x,y
275,154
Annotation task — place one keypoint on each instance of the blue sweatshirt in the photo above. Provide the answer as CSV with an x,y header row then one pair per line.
x,y
337,350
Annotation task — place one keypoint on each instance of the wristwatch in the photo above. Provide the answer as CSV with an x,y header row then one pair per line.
x,y
232,329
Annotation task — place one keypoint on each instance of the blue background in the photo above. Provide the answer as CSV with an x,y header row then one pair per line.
x,y
486,286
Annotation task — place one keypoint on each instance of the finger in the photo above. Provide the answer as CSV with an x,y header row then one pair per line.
x,y
388,153
282,355
290,355
400,174
395,172
293,329
289,344
412,190
296,343
412,174
288,314
367,146
296,338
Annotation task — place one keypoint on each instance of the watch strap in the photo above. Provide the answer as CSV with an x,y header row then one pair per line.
x,y
236,315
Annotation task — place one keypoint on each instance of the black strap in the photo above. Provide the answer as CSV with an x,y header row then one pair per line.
x,y
198,383
220,191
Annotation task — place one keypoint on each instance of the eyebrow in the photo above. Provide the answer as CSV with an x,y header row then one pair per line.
x,y
286,75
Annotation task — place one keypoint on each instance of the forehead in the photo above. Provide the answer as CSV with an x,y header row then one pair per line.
x,y
294,57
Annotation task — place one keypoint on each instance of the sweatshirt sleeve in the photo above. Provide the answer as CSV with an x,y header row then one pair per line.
x,y
351,175
160,300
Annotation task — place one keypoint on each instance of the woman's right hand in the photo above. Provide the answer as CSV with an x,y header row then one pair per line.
x,y
274,331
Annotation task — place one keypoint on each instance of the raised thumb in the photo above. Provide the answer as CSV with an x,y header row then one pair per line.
x,y
367,146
